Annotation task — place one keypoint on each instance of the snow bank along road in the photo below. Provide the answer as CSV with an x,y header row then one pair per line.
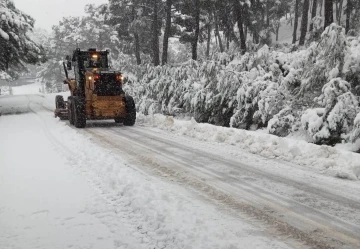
x,y
110,186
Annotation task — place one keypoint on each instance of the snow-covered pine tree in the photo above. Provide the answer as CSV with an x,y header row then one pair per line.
x,y
132,20
16,47
189,19
330,124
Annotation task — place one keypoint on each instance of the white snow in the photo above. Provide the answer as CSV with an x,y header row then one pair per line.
x,y
34,88
324,159
59,189
43,203
4,34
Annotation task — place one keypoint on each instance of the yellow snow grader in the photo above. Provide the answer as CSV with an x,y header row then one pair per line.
x,y
96,92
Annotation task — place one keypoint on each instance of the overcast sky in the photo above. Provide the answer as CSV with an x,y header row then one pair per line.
x,y
49,12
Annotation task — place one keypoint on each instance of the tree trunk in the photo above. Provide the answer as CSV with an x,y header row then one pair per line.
x,y
137,39
167,32
229,27
329,16
336,10
321,6
238,14
340,11
217,33
208,40
304,22
349,8
155,39
313,14
296,21
245,31
267,14
256,10
197,30
137,49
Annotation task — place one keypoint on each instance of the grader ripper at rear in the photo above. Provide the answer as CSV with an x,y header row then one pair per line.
x,y
96,92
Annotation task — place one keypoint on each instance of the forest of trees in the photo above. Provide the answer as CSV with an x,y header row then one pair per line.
x,y
144,27
144,22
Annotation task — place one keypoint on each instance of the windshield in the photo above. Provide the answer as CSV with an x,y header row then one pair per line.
x,y
95,61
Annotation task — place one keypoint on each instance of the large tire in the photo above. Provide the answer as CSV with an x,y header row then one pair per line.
x,y
79,113
71,110
59,102
130,117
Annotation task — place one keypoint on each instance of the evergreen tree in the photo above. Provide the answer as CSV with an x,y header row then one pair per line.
x,y
131,20
239,18
17,49
188,18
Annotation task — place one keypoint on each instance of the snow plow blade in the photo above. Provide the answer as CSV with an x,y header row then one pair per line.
x,y
61,110
61,113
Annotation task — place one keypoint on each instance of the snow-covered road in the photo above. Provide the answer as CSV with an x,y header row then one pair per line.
x,y
43,204
110,186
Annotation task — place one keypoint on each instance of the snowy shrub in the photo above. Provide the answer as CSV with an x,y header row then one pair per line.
x,y
317,28
330,124
313,122
279,90
292,80
352,65
257,101
270,102
328,54
4,76
261,58
281,124
331,91
355,134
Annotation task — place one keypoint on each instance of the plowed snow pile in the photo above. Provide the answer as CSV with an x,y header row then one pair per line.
x,y
330,160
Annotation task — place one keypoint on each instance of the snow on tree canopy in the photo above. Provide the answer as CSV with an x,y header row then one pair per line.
x,y
17,49
337,116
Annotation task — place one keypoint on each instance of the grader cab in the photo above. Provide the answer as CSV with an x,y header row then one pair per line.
x,y
96,91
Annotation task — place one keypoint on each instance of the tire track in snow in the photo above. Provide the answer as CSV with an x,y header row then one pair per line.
x,y
121,212
149,145
214,193
108,217
238,168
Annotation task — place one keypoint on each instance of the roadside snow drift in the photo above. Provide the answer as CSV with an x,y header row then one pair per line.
x,y
325,159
